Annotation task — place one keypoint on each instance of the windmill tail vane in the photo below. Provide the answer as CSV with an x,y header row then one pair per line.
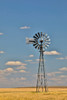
x,y
40,41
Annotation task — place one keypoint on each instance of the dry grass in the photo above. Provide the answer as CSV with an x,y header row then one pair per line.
x,y
30,94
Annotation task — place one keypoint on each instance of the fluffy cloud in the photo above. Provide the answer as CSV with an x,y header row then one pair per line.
x,y
62,58
51,53
25,27
9,69
1,33
31,55
1,51
63,69
14,63
22,71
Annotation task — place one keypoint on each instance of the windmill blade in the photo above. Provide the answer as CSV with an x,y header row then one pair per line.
x,y
43,34
38,46
34,44
35,41
47,45
46,35
39,34
36,35
47,39
29,40
48,42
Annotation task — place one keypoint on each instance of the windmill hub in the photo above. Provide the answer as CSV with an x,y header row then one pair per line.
x,y
41,40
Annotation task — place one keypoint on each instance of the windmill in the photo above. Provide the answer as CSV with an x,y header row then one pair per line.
x,y
40,41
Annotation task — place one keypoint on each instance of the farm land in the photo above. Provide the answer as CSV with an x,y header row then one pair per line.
x,y
54,93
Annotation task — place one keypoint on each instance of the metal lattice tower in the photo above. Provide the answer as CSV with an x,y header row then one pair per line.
x,y
41,41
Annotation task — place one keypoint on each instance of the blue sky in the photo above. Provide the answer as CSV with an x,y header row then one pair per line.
x,y
18,60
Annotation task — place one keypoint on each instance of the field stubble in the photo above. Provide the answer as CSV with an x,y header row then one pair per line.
x,y
30,94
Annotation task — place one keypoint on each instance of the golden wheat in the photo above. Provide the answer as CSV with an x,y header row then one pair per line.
x,y
30,94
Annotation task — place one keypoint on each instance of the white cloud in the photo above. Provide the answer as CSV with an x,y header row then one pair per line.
x,y
53,73
22,71
1,33
63,69
22,78
51,53
62,58
21,67
31,55
33,62
14,63
9,69
1,51
28,60
25,27
63,76
39,60
55,79
18,79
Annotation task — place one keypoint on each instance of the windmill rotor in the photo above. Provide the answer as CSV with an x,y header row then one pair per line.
x,y
41,38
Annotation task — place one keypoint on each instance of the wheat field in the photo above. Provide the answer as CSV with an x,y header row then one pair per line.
x,y
30,94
